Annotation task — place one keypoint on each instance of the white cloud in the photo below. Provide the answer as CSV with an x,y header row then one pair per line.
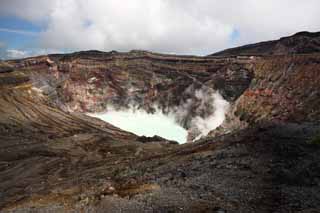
x,y
2,45
144,24
177,26
12,53
23,32
17,53
31,10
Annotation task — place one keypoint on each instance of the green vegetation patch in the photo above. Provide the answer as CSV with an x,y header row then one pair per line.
x,y
315,140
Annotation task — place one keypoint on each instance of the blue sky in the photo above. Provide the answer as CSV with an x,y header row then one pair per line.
x,y
32,27
18,33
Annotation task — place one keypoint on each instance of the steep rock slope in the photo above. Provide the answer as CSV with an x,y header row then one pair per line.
x,y
284,89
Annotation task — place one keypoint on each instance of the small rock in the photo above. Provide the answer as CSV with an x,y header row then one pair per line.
x,y
111,189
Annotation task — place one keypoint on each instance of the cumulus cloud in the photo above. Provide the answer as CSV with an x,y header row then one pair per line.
x,y
144,24
31,10
174,26
17,53
12,53
23,32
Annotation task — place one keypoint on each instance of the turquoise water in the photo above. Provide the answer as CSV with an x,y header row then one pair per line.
x,y
142,123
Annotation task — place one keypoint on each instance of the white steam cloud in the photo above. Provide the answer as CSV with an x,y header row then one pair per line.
x,y
204,111
199,114
205,125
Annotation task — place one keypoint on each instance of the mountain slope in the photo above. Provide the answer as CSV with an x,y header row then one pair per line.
x,y
299,43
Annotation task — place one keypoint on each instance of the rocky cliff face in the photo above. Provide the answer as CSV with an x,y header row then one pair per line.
x,y
93,81
283,89
258,88
264,157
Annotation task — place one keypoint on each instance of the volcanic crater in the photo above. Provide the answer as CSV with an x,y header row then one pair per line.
x,y
262,155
